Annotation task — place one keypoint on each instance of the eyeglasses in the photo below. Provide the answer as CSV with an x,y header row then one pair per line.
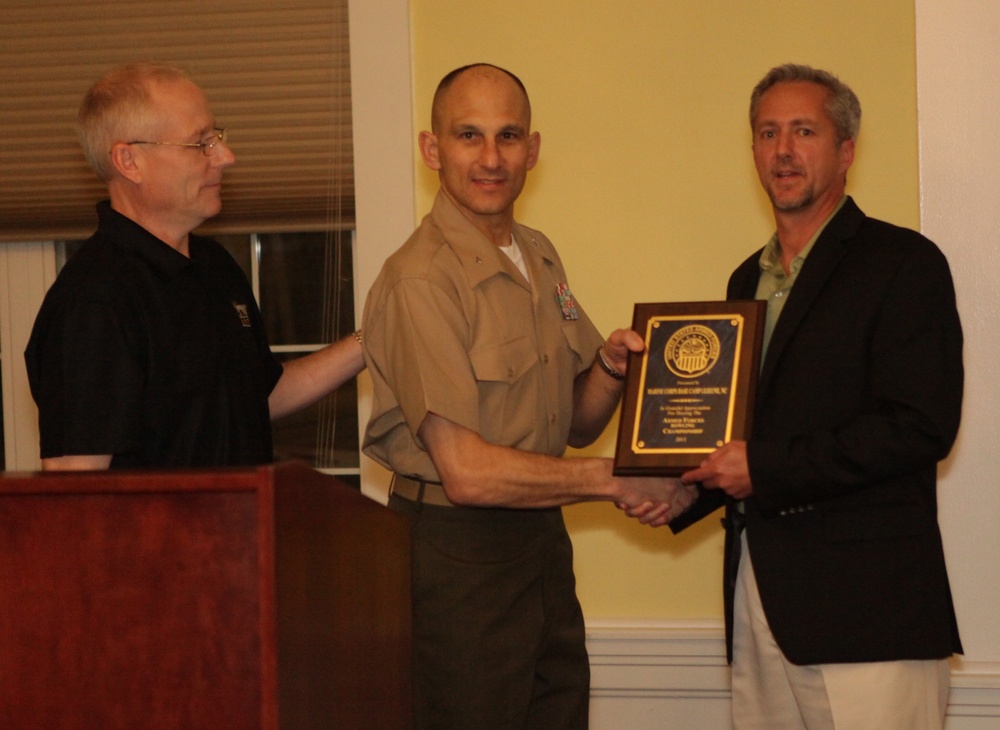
x,y
207,145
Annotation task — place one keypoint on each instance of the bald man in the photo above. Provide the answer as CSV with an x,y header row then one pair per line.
x,y
485,367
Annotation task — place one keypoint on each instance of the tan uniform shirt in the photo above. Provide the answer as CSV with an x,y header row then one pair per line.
x,y
452,327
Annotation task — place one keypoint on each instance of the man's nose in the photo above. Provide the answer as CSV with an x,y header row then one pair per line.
x,y
489,155
784,144
222,156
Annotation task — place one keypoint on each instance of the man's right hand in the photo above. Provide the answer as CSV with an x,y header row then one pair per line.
x,y
77,462
654,501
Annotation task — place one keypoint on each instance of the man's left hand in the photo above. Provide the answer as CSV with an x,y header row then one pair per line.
x,y
727,469
619,344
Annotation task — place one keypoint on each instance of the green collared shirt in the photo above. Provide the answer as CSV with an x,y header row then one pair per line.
x,y
774,285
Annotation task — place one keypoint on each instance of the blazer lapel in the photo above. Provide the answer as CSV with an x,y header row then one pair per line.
x,y
817,269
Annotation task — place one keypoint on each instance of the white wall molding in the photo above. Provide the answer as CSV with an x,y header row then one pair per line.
x,y
957,59
381,101
650,674
975,691
671,659
645,672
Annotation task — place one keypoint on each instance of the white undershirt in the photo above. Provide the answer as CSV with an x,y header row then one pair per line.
x,y
514,254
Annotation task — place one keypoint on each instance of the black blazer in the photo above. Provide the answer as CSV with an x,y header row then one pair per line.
x,y
859,397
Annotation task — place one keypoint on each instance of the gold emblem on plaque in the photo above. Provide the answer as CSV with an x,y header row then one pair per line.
x,y
692,351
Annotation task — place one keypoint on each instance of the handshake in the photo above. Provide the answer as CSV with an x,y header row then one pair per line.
x,y
654,501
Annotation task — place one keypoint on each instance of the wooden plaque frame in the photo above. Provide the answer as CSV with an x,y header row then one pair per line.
x,y
692,389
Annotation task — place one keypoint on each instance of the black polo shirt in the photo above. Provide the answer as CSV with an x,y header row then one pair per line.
x,y
158,359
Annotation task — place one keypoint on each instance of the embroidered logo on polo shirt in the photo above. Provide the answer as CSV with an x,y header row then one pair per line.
x,y
566,303
243,313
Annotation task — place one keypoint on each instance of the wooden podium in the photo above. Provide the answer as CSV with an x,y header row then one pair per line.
x,y
274,598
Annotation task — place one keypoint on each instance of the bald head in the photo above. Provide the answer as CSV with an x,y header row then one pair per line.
x,y
484,71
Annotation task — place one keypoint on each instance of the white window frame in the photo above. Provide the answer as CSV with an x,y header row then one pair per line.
x,y
27,270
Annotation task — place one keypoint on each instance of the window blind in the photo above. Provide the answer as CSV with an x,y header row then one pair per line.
x,y
277,76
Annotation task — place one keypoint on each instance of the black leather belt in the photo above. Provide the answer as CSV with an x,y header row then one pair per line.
x,y
420,491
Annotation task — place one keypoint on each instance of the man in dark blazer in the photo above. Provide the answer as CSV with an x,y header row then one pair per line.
x,y
839,612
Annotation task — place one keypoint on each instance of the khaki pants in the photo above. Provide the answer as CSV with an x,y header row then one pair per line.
x,y
771,693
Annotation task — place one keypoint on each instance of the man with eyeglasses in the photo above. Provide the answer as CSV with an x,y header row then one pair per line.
x,y
149,349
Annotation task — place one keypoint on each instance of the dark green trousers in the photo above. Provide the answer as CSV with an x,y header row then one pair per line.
x,y
498,632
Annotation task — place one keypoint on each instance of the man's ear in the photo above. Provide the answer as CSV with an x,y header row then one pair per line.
x,y
846,152
429,150
124,162
534,144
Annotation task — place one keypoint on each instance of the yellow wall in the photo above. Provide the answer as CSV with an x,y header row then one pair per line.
x,y
647,187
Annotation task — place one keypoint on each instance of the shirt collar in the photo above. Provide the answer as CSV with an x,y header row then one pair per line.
x,y
770,257
136,240
480,258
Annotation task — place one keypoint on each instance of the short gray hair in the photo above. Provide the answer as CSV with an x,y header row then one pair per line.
x,y
842,105
116,107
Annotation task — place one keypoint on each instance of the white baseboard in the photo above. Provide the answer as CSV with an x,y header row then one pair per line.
x,y
674,673
975,692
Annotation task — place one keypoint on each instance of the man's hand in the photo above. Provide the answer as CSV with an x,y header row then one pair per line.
x,y
666,500
77,462
727,469
618,346
595,393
